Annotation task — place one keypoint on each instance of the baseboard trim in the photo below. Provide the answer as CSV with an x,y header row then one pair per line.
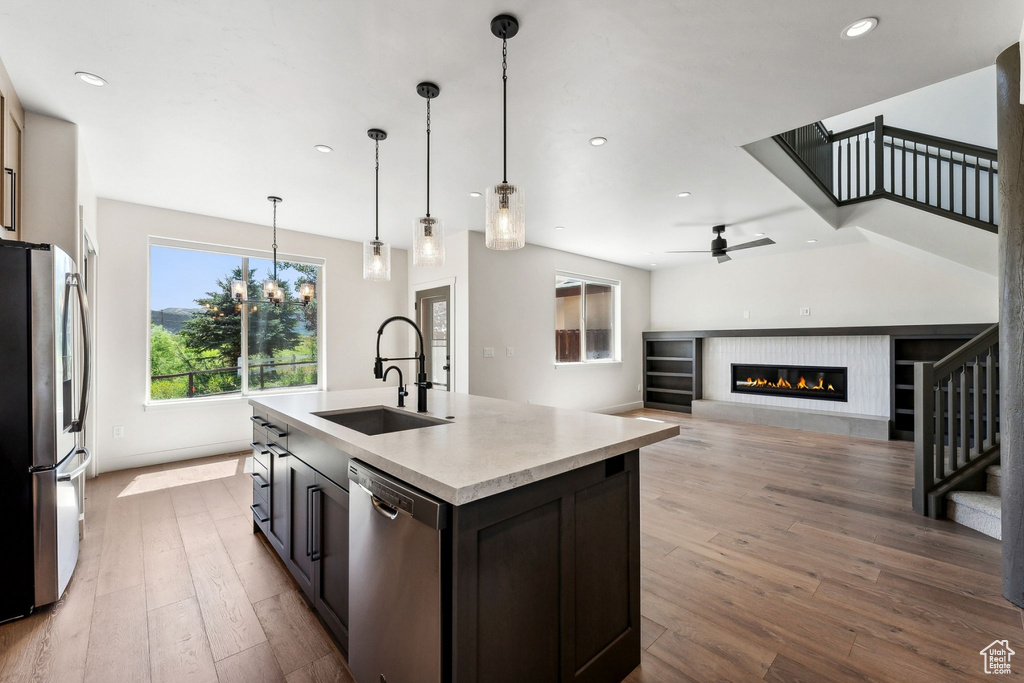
x,y
171,455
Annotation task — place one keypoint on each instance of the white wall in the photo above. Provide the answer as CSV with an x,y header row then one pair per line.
x,y
850,285
49,186
456,266
512,303
352,309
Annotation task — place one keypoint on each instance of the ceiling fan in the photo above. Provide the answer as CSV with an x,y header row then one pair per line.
x,y
720,249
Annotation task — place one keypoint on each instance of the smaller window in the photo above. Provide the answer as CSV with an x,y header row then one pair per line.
x,y
586,319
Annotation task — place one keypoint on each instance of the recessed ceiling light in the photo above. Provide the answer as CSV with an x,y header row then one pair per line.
x,y
475,194
598,141
648,253
654,265
91,79
683,194
323,148
758,234
559,227
860,27
811,241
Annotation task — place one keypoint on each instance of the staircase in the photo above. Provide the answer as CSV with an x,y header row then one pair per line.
x,y
956,435
953,179
978,510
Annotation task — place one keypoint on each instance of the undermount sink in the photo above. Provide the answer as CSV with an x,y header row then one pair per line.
x,y
379,420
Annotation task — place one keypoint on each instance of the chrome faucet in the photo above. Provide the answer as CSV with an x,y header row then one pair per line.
x,y
421,378
402,393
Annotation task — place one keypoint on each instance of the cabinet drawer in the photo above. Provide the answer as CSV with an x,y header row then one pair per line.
x,y
261,494
260,512
260,474
260,454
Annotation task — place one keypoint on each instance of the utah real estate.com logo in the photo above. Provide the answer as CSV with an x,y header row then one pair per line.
x,y
997,657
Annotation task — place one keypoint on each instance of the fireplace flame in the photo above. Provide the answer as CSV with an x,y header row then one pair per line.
x,y
782,383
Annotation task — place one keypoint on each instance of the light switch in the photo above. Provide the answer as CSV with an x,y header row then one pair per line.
x,y
510,351
488,352
805,311
746,314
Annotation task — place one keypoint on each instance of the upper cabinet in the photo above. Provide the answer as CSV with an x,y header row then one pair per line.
x,y
13,125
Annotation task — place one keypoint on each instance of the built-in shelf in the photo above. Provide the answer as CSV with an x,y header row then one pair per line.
x,y
672,371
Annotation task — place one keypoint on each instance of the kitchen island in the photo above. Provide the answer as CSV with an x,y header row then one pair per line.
x,y
537,529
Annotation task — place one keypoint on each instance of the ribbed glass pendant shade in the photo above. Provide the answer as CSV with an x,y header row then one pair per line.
x,y
428,242
376,261
506,217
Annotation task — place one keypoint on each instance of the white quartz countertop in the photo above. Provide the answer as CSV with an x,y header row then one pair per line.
x,y
490,446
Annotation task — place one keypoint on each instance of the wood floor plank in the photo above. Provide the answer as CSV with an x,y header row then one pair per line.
x,y
698,661
187,500
230,621
263,577
327,669
178,647
293,630
650,631
255,665
121,563
168,578
219,502
238,538
199,534
119,638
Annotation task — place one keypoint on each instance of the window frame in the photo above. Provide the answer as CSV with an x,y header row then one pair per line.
x,y
244,253
616,286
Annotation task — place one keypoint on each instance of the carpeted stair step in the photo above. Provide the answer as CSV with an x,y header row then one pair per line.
x,y
994,473
978,510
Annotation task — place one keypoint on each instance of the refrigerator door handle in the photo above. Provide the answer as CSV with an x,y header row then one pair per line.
x,y
83,308
77,472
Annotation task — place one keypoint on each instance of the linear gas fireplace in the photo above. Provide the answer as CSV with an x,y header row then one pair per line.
x,y
796,381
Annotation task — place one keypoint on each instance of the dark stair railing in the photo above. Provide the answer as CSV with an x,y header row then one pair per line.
x,y
949,178
956,422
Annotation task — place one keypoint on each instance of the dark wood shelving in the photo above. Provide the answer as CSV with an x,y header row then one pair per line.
x,y
905,351
672,371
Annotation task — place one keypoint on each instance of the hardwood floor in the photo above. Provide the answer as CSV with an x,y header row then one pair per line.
x,y
792,556
172,585
768,554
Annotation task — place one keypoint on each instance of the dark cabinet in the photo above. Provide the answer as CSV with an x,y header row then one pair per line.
x,y
330,556
299,546
277,525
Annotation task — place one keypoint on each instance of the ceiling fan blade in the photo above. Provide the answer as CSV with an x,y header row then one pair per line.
x,y
723,259
764,242
705,251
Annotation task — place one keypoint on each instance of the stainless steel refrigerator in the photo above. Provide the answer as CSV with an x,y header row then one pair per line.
x,y
44,394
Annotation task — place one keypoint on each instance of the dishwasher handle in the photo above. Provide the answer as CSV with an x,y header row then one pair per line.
x,y
379,506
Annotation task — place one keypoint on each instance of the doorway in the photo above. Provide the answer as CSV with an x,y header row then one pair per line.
x,y
433,315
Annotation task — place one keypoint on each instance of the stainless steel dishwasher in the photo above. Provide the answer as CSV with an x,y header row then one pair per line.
x,y
395,580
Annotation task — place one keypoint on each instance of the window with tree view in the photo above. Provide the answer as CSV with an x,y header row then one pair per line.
x,y
586,314
197,345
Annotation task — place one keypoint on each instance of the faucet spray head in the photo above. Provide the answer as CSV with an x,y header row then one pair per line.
x,y
378,368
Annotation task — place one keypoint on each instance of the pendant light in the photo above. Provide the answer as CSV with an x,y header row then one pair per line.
x,y
376,254
272,291
428,235
506,203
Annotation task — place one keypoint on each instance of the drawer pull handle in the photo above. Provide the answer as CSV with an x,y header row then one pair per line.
x,y
259,448
275,431
260,481
259,515
277,450
258,422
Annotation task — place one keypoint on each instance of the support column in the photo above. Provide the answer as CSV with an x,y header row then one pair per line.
x,y
1011,318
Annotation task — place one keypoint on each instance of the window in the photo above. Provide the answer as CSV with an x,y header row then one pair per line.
x,y
586,319
196,343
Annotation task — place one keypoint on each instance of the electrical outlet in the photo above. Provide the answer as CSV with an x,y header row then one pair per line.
x,y
488,352
118,431
510,351
638,388
805,311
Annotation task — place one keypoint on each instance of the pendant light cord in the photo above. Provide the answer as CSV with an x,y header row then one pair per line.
x,y
376,191
504,110
275,239
428,157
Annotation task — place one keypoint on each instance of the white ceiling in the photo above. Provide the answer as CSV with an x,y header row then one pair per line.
x,y
211,106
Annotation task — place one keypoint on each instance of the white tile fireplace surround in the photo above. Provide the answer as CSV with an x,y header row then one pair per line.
x,y
866,357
